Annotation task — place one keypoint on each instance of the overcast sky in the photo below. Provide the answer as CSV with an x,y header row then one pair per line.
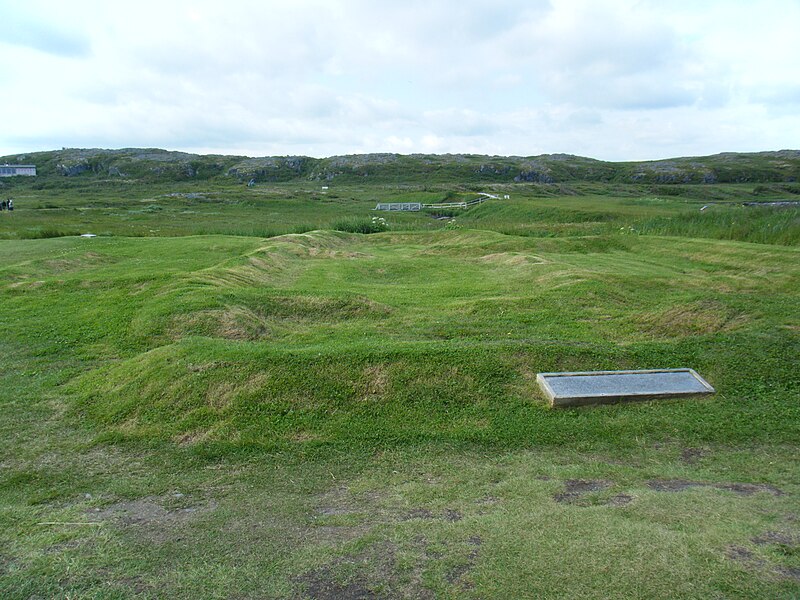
x,y
615,80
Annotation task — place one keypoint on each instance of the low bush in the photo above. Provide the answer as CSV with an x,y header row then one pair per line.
x,y
46,233
361,225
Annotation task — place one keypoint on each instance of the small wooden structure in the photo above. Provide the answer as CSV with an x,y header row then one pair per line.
x,y
412,206
417,206
13,170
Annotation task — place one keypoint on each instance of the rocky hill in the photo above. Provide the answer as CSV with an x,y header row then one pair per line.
x,y
150,164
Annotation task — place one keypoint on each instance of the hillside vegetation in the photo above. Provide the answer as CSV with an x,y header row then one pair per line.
x,y
161,165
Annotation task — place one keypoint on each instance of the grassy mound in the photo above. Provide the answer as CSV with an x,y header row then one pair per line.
x,y
337,338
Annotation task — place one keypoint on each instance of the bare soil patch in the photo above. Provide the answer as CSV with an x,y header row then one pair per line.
x,y
748,489
672,485
742,489
327,511
792,573
690,456
154,520
449,515
376,578
620,500
320,584
339,500
739,554
488,500
457,573
782,538
418,513
574,489
452,516
750,561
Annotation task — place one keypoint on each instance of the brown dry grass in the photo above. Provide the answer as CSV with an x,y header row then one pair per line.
x,y
375,383
62,265
242,323
304,436
232,323
221,394
26,284
694,318
511,259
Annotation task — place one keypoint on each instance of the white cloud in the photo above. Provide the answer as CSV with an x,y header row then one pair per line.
x,y
25,30
613,79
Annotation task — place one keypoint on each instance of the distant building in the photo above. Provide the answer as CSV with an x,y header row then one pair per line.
x,y
11,170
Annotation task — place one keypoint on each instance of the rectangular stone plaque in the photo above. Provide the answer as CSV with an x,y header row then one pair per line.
x,y
603,387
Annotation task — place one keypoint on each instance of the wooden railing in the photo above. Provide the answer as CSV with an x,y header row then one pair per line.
x,y
415,206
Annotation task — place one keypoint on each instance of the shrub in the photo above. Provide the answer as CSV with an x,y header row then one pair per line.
x,y
362,225
46,233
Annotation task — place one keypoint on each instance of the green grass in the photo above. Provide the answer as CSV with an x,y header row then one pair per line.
x,y
759,224
178,209
304,412
449,324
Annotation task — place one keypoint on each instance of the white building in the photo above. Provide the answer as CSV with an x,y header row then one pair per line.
x,y
11,170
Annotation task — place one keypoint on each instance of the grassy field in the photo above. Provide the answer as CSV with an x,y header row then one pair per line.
x,y
125,208
221,396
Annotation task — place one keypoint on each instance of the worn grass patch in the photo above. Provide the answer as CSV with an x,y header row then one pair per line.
x,y
694,318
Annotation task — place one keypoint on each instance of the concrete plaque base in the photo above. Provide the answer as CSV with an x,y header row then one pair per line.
x,y
603,387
